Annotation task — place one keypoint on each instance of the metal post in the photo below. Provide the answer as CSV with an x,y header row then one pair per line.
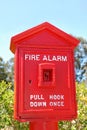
x,y
43,125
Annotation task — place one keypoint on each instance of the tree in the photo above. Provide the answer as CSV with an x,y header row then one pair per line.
x,y
81,122
81,60
6,104
6,108
9,70
3,74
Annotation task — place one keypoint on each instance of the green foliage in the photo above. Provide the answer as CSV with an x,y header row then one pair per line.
x,y
81,122
6,102
3,74
6,110
9,70
82,106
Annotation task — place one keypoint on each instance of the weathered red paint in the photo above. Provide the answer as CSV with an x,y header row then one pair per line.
x,y
44,74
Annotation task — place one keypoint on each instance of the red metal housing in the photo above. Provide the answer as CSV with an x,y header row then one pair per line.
x,y
44,74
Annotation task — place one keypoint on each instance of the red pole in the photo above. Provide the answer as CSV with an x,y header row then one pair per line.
x,y
43,125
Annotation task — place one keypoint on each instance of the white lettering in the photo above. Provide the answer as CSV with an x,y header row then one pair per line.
x,y
64,58
54,58
59,58
56,97
36,57
45,58
55,104
32,57
26,56
36,97
37,104
49,58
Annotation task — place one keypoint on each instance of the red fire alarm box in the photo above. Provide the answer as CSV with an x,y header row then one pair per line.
x,y
44,74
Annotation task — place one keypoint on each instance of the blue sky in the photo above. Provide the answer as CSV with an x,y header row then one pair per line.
x,y
19,15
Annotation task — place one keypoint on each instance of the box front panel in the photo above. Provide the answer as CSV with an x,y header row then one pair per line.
x,y
47,82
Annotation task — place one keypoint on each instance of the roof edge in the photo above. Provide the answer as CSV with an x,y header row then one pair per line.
x,y
46,25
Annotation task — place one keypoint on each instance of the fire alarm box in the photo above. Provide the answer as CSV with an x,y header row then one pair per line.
x,y
44,74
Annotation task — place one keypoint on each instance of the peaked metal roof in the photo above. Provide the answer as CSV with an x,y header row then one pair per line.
x,y
44,26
